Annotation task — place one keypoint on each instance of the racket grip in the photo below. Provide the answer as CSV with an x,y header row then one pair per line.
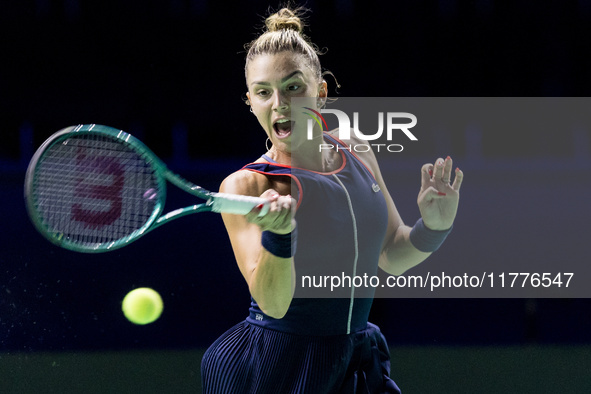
x,y
237,204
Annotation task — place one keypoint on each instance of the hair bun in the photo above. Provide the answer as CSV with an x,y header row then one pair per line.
x,y
284,19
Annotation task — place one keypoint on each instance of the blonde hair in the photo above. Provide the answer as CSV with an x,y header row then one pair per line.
x,y
284,32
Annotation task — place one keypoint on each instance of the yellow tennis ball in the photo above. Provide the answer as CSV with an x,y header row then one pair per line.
x,y
142,306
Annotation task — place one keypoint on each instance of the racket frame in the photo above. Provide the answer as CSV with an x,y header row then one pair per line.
x,y
216,202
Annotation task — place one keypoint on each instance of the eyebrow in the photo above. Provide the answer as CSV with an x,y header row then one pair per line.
x,y
293,74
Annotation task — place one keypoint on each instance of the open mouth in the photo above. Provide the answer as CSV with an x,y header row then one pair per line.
x,y
282,127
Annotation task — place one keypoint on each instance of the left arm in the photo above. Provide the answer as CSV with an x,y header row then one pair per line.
x,y
438,204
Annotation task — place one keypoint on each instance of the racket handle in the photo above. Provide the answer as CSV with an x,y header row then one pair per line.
x,y
236,204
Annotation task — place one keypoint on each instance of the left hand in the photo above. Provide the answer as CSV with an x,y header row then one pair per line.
x,y
438,199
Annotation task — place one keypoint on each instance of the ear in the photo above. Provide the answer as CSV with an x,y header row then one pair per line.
x,y
247,98
323,89
322,94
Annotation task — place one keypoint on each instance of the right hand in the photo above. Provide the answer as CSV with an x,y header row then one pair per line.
x,y
280,217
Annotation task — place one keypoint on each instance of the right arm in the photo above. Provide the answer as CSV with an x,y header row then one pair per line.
x,y
270,278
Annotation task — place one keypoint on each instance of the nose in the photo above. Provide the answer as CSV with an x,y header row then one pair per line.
x,y
280,102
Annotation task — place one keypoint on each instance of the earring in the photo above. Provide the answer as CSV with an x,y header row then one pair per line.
x,y
251,110
267,144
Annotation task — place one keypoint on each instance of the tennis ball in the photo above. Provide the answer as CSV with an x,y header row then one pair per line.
x,y
142,306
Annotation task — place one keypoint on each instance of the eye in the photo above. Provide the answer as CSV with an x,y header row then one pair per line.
x,y
293,88
262,92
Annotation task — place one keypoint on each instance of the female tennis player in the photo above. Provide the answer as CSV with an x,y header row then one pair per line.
x,y
337,213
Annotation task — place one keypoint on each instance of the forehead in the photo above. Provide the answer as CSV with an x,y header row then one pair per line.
x,y
274,67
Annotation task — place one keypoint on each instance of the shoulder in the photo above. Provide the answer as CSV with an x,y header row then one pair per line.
x,y
245,182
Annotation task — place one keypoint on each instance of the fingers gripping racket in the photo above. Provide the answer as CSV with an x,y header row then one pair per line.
x,y
92,188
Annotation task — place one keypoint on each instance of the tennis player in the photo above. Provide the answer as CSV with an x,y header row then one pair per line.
x,y
338,213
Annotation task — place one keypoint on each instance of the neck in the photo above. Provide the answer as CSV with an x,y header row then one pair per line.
x,y
308,156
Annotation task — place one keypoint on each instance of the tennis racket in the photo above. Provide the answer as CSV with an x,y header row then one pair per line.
x,y
92,188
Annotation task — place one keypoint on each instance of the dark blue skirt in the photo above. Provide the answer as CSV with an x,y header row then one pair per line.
x,y
253,359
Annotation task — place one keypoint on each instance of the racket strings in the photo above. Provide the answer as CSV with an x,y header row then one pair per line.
x,y
92,189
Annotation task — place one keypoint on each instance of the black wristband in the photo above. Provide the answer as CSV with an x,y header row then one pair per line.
x,y
280,245
425,239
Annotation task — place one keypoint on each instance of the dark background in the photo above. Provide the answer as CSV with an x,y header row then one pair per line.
x,y
172,74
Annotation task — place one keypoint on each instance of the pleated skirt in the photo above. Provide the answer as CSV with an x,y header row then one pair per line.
x,y
252,359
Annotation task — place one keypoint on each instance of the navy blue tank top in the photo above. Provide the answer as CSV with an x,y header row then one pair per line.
x,y
342,219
